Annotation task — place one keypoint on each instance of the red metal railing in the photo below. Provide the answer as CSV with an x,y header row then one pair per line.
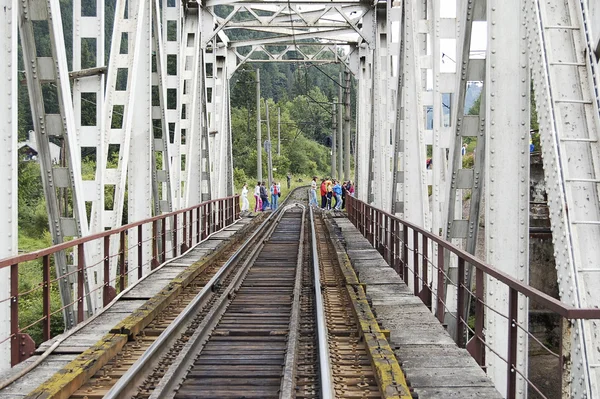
x,y
185,228
390,236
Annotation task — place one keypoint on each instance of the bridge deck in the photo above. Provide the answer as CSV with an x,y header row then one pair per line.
x,y
99,327
434,366
431,361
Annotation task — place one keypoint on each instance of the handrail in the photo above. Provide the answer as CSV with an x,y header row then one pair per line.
x,y
5,262
561,308
390,236
187,226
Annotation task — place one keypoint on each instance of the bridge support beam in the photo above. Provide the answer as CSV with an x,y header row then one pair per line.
x,y
9,166
507,165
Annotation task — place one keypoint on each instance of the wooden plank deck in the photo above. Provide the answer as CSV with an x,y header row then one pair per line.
x,y
434,366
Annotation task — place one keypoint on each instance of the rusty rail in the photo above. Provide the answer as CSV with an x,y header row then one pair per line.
x,y
192,225
390,236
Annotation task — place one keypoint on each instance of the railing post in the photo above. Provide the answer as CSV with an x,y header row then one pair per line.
x,y
426,291
204,206
122,265
460,305
175,234
14,314
210,218
415,263
139,252
513,308
80,269
185,239
163,239
386,239
154,244
440,284
379,232
479,352
46,296
198,224
393,244
106,289
405,255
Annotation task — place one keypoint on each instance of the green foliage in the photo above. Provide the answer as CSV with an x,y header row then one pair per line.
x,y
240,178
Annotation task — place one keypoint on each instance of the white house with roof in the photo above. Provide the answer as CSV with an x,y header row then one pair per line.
x,y
28,150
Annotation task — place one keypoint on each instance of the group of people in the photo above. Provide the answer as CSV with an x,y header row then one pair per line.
x,y
261,195
330,189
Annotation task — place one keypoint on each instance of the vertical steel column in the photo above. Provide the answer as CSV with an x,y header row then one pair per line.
x,y
9,167
507,165
333,171
124,87
161,171
364,124
47,72
191,78
340,130
459,230
88,98
172,56
416,204
347,126
217,105
258,138
139,168
397,14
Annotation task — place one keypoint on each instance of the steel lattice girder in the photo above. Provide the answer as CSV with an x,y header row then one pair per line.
x,y
50,73
459,229
564,74
9,166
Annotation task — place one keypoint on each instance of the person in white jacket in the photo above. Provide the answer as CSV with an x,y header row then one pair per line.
x,y
245,203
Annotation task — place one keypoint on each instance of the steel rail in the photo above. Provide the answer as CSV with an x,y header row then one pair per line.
x,y
324,361
288,381
131,376
176,373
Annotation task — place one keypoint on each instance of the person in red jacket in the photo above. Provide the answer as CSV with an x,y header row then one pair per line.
x,y
323,194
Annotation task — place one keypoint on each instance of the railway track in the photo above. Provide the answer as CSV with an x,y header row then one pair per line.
x,y
278,320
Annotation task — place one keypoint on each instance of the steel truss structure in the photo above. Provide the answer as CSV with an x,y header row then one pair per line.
x,y
154,117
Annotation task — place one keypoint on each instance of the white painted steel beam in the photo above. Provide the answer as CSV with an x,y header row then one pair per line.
x,y
139,168
162,189
130,42
9,165
88,99
459,227
506,165
415,201
565,80
49,72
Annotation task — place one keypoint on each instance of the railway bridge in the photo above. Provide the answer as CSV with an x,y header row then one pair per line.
x,y
419,288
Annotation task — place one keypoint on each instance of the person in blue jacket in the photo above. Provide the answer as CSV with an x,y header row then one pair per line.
x,y
337,191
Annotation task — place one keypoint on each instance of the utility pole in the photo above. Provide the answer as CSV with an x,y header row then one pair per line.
x,y
348,117
333,141
340,130
258,138
278,131
268,146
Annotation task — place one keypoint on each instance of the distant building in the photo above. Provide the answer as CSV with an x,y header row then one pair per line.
x,y
28,150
